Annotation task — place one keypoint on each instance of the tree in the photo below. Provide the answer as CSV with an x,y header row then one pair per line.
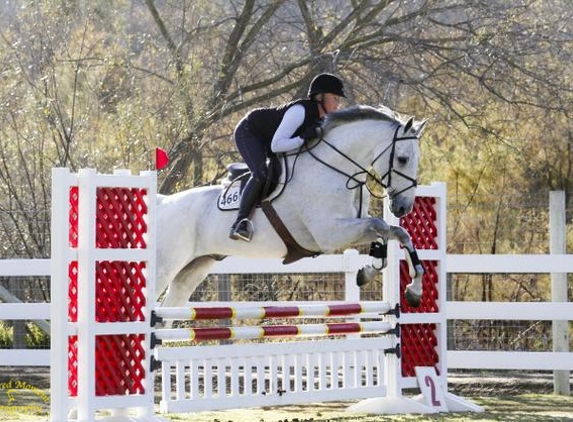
x,y
86,85
418,53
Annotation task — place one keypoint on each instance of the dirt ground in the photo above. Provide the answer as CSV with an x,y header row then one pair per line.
x,y
504,395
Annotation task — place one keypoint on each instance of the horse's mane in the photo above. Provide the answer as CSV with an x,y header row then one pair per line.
x,y
361,112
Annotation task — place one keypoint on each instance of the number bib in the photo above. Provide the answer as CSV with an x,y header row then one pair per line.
x,y
230,198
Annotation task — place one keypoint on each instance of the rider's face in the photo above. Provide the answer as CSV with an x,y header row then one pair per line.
x,y
331,102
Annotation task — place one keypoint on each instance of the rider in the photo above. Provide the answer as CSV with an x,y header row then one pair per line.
x,y
265,131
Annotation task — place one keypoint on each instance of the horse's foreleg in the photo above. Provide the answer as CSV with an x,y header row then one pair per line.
x,y
385,232
355,231
413,290
379,254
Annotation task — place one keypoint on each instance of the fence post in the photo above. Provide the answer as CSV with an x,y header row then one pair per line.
x,y
60,261
351,267
224,295
557,231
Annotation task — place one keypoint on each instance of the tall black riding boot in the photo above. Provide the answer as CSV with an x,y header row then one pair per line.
x,y
243,227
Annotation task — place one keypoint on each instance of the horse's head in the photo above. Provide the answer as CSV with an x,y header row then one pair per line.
x,y
397,166
380,142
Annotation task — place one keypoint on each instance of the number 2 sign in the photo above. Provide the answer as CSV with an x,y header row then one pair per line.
x,y
431,388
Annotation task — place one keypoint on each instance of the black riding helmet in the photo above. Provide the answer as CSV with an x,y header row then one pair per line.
x,y
326,83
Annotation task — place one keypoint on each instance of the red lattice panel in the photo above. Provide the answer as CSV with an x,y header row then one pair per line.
x,y
120,223
421,223
120,291
73,366
73,291
119,364
418,344
430,286
73,267
419,341
73,216
120,219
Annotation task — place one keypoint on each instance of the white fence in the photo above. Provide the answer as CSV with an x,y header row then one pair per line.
x,y
455,264
514,311
24,311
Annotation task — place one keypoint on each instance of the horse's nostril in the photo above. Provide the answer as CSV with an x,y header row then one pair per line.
x,y
400,211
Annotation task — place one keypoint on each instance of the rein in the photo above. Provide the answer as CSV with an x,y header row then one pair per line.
x,y
356,176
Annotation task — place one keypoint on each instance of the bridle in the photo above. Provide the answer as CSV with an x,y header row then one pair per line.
x,y
354,180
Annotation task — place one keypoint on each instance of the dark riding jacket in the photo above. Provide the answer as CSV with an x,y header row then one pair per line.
x,y
263,122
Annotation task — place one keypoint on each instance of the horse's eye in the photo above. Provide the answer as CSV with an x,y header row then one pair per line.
x,y
403,160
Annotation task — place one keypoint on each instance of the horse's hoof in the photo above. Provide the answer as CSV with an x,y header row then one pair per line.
x,y
365,275
412,298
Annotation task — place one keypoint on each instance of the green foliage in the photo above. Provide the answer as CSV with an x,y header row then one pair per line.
x,y
36,338
5,336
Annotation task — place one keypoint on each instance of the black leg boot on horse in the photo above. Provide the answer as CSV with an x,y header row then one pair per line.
x,y
243,227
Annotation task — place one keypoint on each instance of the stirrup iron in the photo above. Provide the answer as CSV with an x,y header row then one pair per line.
x,y
245,234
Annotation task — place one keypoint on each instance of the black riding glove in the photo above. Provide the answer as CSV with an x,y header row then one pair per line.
x,y
311,132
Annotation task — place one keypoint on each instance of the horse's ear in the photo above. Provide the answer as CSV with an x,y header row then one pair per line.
x,y
419,127
408,124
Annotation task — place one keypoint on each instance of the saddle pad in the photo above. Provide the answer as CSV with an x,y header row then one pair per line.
x,y
230,197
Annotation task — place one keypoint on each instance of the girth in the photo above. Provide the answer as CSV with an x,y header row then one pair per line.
x,y
294,250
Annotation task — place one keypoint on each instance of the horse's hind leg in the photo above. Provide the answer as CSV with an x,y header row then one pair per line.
x,y
187,280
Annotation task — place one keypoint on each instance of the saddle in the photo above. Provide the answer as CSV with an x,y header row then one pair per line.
x,y
230,198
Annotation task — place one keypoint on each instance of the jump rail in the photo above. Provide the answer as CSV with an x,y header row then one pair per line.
x,y
282,331
267,312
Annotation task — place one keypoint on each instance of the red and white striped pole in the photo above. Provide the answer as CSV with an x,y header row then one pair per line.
x,y
252,332
268,312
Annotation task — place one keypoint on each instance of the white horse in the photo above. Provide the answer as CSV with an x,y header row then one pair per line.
x,y
324,204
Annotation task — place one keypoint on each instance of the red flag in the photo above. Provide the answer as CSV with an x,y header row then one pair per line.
x,y
161,158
